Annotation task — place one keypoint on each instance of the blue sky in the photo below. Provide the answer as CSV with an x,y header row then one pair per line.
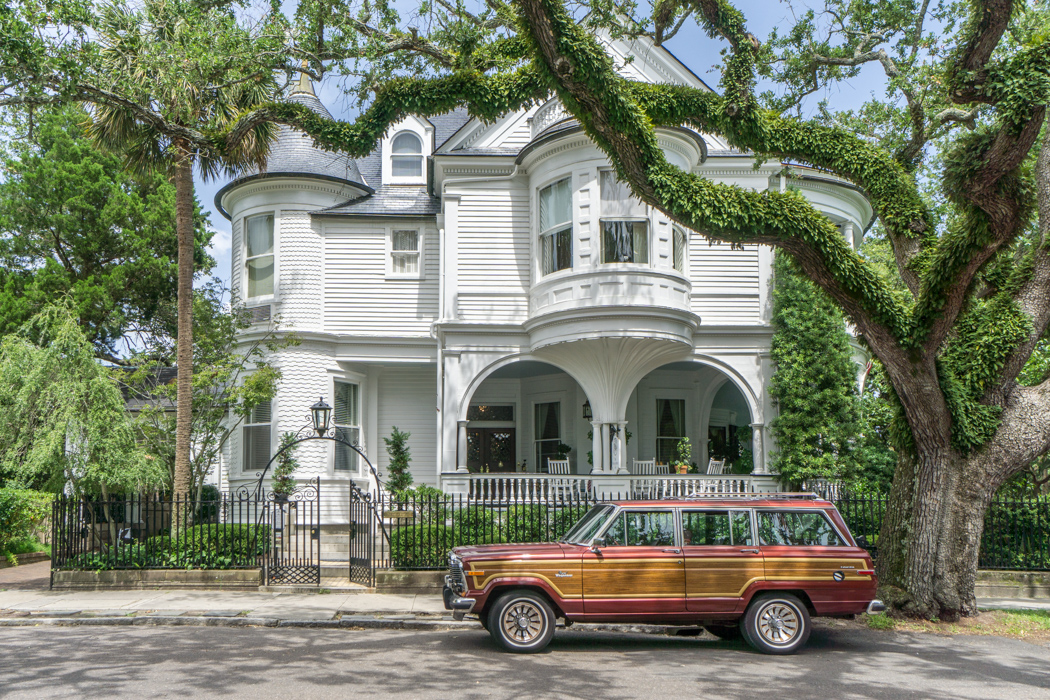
x,y
691,45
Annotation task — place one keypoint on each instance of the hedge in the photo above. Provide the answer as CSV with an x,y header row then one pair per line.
x,y
22,513
208,546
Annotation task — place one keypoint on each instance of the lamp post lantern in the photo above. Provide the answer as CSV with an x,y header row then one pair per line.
x,y
322,415
587,410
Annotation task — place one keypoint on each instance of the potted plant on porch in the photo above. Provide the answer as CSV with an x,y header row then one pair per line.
x,y
683,455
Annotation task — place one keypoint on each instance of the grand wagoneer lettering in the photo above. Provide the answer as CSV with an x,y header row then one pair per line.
x,y
759,566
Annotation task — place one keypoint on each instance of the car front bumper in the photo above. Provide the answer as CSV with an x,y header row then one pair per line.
x,y
459,605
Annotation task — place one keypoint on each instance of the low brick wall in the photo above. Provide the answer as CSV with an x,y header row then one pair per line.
x,y
226,579
409,581
1013,584
30,558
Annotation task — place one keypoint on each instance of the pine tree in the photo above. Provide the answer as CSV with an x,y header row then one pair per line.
x,y
400,455
814,386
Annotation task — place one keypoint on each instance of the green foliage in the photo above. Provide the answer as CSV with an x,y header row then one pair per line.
x,y
62,415
400,478
22,513
430,505
226,372
683,454
73,223
814,386
283,480
208,546
540,523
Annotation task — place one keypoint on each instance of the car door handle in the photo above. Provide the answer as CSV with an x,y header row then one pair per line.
x,y
749,551
672,551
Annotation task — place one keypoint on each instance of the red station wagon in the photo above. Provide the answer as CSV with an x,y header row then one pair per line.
x,y
760,566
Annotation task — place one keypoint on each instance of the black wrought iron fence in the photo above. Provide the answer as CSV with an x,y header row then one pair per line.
x,y
420,530
1017,535
234,531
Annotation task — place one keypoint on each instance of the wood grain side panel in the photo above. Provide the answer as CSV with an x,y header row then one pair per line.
x,y
814,568
718,577
610,577
562,575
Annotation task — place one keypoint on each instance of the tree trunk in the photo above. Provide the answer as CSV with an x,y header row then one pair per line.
x,y
931,536
184,346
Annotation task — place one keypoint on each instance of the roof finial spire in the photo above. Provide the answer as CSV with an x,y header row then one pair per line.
x,y
305,86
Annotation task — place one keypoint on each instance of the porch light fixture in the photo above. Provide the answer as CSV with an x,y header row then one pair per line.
x,y
587,415
322,415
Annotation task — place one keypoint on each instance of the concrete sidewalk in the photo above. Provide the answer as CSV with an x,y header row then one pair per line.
x,y
30,603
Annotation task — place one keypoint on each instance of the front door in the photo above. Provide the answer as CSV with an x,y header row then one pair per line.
x,y
721,559
640,569
491,450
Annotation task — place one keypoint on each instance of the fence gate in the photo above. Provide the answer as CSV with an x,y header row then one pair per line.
x,y
295,558
365,526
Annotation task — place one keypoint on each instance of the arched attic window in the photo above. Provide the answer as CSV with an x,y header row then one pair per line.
x,y
406,155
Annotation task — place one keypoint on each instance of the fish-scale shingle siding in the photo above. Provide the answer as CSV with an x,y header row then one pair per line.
x,y
299,280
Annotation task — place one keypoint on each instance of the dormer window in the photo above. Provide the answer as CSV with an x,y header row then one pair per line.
x,y
406,159
556,227
625,223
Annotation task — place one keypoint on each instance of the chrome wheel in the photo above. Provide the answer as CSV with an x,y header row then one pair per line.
x,y
778,623
523,622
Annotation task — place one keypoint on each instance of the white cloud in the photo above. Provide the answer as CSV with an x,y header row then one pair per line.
x,y
221,242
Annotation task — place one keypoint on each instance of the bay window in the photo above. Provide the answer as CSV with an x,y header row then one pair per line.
x,y
256,438
679,249
556,227
625,223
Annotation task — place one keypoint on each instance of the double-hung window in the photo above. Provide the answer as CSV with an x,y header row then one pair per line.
x,y
556,226
548,433
670,428
404,252
259,255
406,157
625,223
347,425
256,434
678,249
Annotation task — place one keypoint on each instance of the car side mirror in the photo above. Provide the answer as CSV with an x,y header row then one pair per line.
x,y
862,541
597,544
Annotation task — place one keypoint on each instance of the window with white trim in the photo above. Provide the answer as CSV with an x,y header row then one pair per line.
x,y
625,223
256,438
258,255
405,249
678,249
406,155
347,425
556,226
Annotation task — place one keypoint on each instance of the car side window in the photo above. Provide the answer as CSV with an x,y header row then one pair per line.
x,y
642,528
803,529
706,528
715,528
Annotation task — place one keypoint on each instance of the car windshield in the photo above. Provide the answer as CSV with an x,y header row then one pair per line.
x,y
584,530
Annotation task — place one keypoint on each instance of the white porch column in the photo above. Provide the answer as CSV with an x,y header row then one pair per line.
x,y
596,447
605,449
620,465
756,449
461,447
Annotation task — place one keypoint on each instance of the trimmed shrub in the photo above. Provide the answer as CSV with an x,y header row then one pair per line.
x,y
424,546
22,513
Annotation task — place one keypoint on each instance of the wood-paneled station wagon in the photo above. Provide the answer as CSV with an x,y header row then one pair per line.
x,y
760,566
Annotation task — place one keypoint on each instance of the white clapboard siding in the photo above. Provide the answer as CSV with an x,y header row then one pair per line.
x,y
358,298
407,397
518,137
493,253
725,282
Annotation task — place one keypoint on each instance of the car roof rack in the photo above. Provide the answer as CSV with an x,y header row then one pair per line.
x,y
751,496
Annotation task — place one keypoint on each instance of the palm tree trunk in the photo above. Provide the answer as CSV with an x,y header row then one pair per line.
x,y
184,345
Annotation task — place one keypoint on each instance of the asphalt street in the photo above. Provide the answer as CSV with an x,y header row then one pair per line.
x,y
257,663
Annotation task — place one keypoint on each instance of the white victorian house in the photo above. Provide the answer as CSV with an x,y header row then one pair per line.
x,y
492,289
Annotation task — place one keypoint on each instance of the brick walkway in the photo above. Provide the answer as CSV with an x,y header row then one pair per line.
x,y
27,577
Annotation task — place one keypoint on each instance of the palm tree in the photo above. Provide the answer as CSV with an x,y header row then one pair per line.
x,y
174,70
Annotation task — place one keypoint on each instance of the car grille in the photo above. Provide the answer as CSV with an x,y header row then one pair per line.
x,y
455,570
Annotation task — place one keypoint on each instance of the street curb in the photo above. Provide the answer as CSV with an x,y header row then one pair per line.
x,y
346,622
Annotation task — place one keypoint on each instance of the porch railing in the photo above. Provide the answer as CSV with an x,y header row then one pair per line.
x,y
541,488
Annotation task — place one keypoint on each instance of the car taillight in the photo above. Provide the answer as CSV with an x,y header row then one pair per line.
x,y
867,572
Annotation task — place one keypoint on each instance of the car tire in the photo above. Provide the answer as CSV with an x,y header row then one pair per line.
x,y
726,632
776,623
521,622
